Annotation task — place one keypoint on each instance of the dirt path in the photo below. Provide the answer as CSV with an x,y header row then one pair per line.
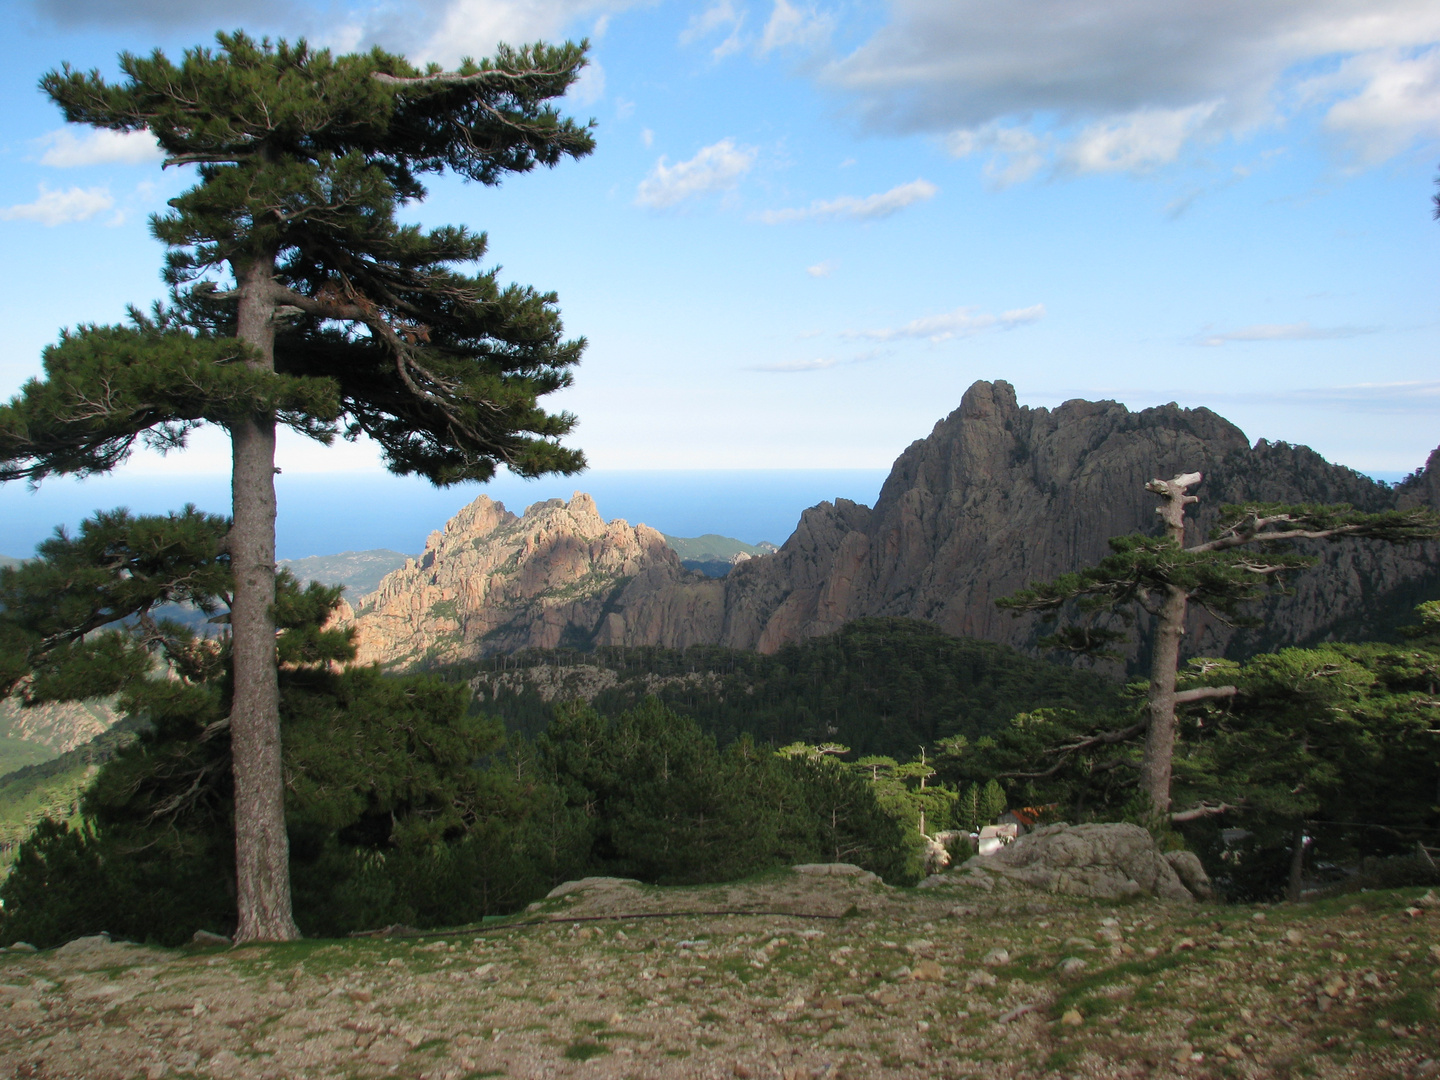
x,y
901,983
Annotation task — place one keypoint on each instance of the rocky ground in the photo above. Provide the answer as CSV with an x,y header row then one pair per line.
x,y
790,976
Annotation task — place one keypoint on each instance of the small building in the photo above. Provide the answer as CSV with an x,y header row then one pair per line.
x,y
993,837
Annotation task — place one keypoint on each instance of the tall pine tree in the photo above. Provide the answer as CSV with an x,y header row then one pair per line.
x,y
1248,551
298,299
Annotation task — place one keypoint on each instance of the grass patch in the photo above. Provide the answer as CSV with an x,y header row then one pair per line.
x,y
584,1050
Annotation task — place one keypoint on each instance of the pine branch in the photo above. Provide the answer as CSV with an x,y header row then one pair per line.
x,y
1065,752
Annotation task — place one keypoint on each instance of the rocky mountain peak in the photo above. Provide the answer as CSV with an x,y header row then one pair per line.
x,y
998,496
493,582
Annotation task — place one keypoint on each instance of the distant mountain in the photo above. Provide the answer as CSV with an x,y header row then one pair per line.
x,y
996,497
359,571
714,555
494,582
6,560
714,548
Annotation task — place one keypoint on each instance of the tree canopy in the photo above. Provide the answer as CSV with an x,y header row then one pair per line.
x,y
297,298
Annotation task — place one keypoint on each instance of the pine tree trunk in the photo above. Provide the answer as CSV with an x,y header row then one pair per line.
x,y
1297,864
1155,766
262,849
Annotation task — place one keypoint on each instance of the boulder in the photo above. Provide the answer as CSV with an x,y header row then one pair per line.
x,y
1107,861
568,887
836,869
1186,865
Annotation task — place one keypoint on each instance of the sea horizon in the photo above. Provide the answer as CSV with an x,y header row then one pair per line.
x,y
328,513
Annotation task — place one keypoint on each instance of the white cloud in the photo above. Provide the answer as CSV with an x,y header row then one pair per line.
x,y
647,137
1127,84
65,149
1301,331
1137,142
855,208
1016,153
962,322
718,167
63,207
790,25
446,30
821,269
1398,102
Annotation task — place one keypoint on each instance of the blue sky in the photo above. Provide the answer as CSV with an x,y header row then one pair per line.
x,y
808,227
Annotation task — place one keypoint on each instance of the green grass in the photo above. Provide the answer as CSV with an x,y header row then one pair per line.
x,y
584,1050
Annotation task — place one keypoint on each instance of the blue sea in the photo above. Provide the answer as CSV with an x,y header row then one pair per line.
x,y
323,514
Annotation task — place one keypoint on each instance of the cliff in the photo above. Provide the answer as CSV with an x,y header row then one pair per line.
x,y
996,497
999,496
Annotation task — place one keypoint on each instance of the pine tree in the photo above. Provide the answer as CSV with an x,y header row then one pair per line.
x,y
991,802
297,299
1248,551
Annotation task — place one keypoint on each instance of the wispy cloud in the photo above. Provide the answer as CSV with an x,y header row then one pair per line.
x,y
65,149
1016,153
819,363
855,208
63,207
1417,396
718,167
799,26
1301,331
821,269
722,15
962,322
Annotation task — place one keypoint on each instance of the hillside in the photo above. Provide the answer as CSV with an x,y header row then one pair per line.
x,y
789,976
359,571
879,686
52,788
29,736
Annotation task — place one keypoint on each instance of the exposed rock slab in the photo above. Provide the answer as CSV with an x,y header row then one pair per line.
x,y
1105,861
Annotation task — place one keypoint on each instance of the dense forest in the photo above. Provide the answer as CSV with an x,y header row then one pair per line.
x,y
879,686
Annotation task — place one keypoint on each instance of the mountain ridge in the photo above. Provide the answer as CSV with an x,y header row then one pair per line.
x,y
997,496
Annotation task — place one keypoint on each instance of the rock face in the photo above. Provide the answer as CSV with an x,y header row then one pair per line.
x,y
999,496
996,497
493,582
1107,861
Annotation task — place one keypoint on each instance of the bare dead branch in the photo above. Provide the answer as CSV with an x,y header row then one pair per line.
x,y
1204,693
1204,810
